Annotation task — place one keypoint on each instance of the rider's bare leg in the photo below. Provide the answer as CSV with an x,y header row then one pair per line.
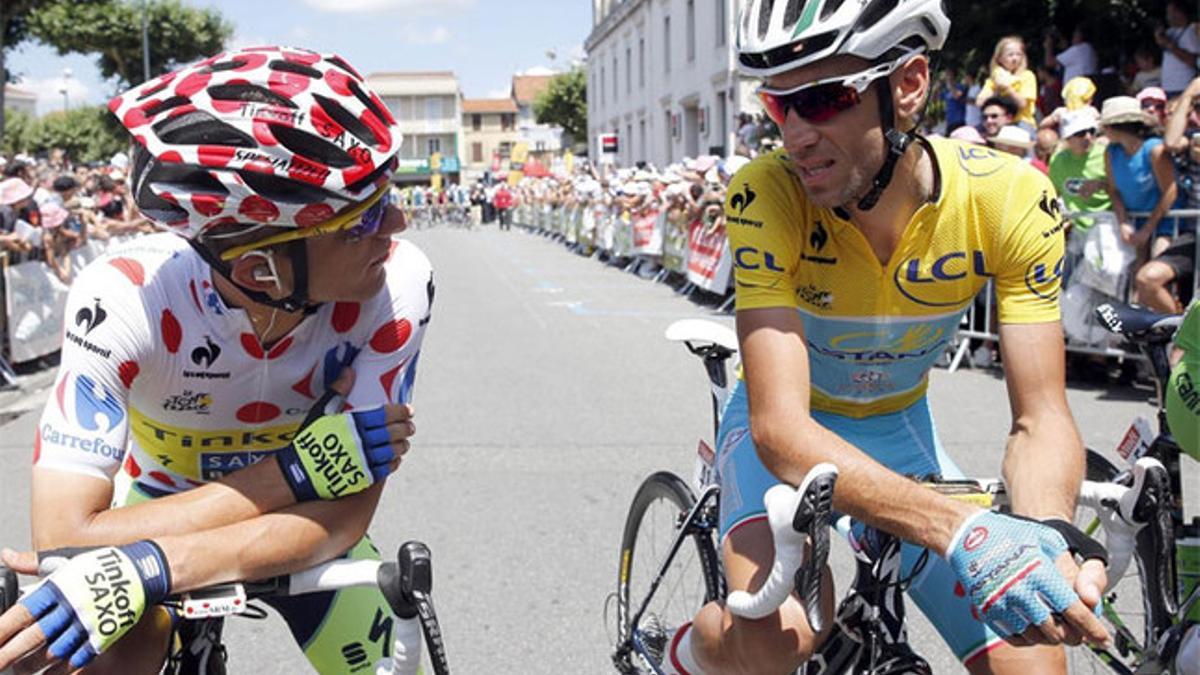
x,y
724,643
1005,659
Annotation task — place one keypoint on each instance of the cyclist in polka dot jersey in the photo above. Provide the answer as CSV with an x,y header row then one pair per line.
x,y
192,357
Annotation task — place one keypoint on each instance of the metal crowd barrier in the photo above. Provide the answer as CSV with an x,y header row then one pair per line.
x,y
975,327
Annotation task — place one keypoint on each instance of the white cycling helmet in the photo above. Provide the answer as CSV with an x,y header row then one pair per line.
x,y
778,35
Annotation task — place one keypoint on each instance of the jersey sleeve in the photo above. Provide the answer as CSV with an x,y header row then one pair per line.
x,y
386,367
1031,246
85,422
762,211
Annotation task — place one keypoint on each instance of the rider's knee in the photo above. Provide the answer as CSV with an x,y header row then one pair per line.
x,y
1153,274
772,645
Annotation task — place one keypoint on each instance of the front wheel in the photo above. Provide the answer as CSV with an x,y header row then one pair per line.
x,y
666,574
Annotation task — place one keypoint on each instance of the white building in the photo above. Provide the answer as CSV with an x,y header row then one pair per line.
x,y
20,100
542,139
662,75
427,106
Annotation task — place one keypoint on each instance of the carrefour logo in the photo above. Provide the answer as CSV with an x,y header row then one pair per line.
x,y
927,285
95,407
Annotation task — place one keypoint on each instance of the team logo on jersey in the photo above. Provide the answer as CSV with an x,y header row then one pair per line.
x,y
206,354
979,161
96,446
1044,281
750,258
95,407
817,297
926,285
819,236
742,200
90,318
867,347
214,465
189,401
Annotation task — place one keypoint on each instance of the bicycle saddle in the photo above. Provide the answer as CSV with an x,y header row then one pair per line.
x,y
1137,323
702,331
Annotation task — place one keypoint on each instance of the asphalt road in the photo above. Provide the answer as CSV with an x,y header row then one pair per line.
x,y
546,394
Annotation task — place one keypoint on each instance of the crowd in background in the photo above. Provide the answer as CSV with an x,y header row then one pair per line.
x,y
49,207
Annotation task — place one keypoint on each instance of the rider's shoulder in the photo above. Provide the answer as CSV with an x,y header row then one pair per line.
x,y
992,180
137,264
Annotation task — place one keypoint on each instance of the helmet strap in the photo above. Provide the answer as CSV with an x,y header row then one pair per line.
x,y
895,142
297,252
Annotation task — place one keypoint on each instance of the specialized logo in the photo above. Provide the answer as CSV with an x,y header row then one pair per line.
x,y
742,200
1044,281
206,354
923,285
975,538
750,258
90,318
189,401
881,347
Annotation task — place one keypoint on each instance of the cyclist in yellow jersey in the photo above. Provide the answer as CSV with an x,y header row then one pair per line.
x,y
857,248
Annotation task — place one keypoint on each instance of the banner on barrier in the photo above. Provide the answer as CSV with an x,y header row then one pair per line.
x,y
622,235
647,232
675,246
37,300
709,262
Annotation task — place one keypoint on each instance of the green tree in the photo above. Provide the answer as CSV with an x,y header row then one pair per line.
x,y
112,29
83,132
18,126
564,103
13,31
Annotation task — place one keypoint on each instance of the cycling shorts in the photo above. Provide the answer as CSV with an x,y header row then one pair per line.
x,y
347,631
905,442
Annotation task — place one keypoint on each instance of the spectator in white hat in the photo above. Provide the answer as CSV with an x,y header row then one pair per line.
x,y
16,206
1077,170
1012,139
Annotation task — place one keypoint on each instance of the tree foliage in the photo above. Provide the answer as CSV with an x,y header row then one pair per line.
x,y
112,29
14,29
564,103
85,133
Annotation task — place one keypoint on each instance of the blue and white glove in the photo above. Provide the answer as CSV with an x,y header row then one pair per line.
x,y
1006,564
338,455
96,597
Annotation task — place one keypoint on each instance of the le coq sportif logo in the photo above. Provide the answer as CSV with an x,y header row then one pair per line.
x,y
89,318
206,354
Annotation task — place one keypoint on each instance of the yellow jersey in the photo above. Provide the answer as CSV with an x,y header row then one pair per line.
x,y
874,330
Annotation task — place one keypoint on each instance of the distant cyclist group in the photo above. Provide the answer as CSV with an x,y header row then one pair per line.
x,y
240,390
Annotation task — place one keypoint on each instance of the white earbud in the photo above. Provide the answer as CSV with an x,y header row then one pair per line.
x,y
271,273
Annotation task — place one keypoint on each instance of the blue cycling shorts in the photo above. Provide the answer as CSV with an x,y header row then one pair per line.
x,y
905,442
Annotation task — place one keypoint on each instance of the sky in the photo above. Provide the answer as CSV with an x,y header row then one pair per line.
x,y
484,42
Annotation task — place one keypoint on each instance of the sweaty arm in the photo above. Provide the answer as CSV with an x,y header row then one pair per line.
x,y
790,442
1044,460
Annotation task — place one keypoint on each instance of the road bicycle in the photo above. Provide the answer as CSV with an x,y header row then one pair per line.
x,y
406,583
670,567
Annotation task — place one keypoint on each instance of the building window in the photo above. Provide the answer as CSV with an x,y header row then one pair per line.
x,y
722,29
477,152
505,149
614,72
691,30
602,85
629,143
641,62
508,121
476,122
539,146
666,44
628,70
433,145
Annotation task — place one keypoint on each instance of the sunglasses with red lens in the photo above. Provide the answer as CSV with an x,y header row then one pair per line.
x,y
822,100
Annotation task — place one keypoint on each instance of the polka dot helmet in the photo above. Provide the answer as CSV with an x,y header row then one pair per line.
x,y
259,136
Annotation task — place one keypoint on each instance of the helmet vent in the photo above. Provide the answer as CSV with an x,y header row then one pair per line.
x,y
337,61
250,93
929,27
367,102
792,14
764,17
788,53
343,117
875,11
153,90
173,102
831,7
310,147
297,68
200,128
232,64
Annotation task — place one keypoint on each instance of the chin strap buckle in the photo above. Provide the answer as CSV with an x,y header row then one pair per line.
x,y
897,145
